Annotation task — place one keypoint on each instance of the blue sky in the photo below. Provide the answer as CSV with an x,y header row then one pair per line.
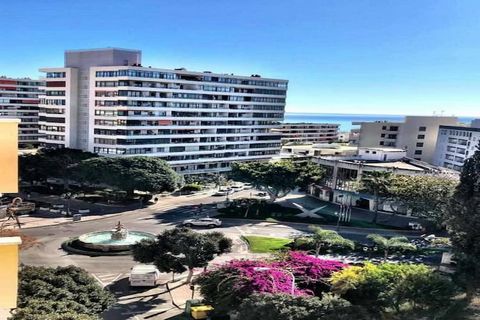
x,y
355,56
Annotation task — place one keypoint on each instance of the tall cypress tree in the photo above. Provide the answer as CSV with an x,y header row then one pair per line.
x,y
464,224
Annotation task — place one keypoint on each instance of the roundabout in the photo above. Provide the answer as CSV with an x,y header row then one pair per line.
x,y
110,242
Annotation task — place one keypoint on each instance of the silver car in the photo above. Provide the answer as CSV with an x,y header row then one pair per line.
x,y
202,222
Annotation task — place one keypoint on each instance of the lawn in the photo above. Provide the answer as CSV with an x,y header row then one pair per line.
x,y
260,244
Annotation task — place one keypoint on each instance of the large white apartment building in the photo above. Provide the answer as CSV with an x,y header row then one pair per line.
x,y
455,144
308,132
416,134
19,99
105,102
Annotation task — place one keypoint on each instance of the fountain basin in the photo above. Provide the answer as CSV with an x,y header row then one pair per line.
x,y
103,240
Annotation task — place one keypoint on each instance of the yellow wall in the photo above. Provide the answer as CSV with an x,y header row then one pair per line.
x,y
9,155
9,271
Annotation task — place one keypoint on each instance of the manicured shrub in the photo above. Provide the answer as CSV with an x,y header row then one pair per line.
x,y
397,287
47,292
192,187
287,307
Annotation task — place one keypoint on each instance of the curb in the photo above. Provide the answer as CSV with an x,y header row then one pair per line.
x,y
326,226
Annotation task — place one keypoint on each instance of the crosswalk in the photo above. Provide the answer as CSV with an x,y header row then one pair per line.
x,y
106,279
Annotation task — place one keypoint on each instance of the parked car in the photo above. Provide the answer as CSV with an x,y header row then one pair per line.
x,y
144,275
202,222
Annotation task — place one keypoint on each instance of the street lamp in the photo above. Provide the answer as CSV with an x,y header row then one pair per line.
x,y
67,196
281,270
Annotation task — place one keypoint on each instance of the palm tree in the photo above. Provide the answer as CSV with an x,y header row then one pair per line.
x,y
376,183
391,244
329,238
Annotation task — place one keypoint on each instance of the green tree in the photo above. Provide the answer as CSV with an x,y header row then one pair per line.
x,y
308,172
464,223
51,163
425,196
287,307
277,178
130,173
395,288
391,244
181,249
47,292
326,239
376,183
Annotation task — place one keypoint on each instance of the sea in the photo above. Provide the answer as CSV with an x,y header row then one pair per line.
x,y
345,120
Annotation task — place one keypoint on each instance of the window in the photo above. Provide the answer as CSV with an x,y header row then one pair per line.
x,y
419,144
422,129
418,152
382,135
421,136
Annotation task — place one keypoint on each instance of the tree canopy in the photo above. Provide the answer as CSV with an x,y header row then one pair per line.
x,y
51,163
46,293
376,183
424,196
391,244
181,249
147,174
277,178
287,307
398,287
463,223
328,239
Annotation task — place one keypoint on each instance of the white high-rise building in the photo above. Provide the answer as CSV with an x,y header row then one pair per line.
x,y
19,99
455,144
105,102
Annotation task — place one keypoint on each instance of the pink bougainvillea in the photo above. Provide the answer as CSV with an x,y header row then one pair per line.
x,y
249,276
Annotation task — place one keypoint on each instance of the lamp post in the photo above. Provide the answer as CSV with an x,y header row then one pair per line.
x,y
67,196
282,270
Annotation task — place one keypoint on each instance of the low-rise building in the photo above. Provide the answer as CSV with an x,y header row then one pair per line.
x,y
343,173
318,150
300,133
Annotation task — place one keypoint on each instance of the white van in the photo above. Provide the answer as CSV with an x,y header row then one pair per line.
x,y
144,275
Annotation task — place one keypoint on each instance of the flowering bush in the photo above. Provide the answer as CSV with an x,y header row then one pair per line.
x,y
229,284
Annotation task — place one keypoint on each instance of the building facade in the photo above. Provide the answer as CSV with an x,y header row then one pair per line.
x,y
308,132
105,102
455,144
417,135
19,100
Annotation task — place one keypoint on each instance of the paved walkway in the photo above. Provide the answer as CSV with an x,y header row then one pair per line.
x,y
316,206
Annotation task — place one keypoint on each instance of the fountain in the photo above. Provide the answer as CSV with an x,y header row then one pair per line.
x,y
118,240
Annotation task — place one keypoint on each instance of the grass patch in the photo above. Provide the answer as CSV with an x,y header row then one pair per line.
x,y
260,244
